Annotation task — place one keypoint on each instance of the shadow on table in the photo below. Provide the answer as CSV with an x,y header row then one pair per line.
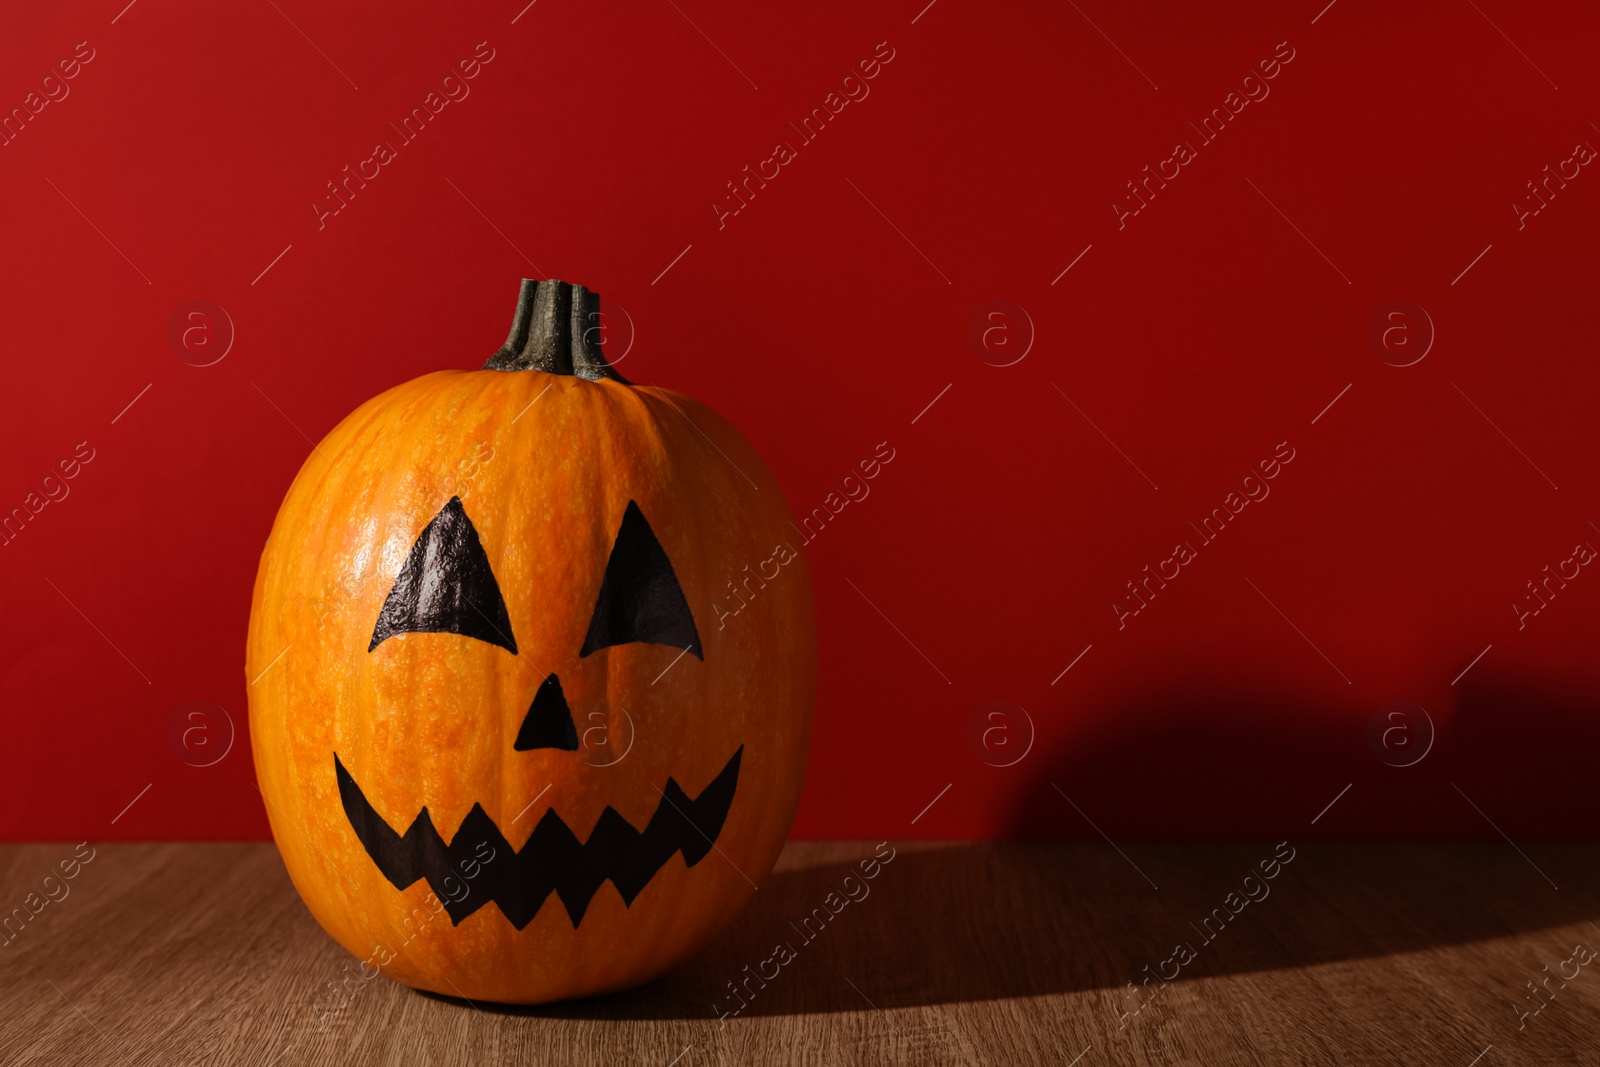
x,y
979,922
945,923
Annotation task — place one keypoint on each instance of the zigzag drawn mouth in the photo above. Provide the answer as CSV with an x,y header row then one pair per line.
x,y
551,860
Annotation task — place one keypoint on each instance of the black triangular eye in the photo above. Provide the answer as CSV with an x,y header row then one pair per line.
x,y
446,586
640,598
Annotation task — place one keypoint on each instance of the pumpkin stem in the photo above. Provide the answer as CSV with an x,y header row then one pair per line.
x,y
556,330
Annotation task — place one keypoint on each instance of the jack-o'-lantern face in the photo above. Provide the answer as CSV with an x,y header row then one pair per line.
x,y
531,667
447,586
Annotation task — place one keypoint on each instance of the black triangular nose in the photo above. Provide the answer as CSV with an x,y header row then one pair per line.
x,y
549,721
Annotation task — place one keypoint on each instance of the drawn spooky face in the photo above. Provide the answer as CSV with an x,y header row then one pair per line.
x,y
532,666
447,586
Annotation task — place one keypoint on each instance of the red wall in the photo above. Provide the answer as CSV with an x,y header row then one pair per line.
x,y
1188,342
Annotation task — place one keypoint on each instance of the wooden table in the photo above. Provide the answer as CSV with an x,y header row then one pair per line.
x,y
962,953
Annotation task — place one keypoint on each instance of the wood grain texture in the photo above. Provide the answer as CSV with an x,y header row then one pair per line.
x,y
962,953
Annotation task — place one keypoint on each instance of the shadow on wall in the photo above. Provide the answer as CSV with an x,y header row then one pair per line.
x,y
1199,758
1524,748
1207,759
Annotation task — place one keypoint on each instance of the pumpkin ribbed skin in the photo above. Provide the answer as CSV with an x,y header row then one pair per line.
x,y
545,466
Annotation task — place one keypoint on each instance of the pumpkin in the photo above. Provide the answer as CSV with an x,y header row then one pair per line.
x,y
532,668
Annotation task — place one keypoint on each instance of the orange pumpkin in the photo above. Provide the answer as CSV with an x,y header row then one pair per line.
x,y
532,666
